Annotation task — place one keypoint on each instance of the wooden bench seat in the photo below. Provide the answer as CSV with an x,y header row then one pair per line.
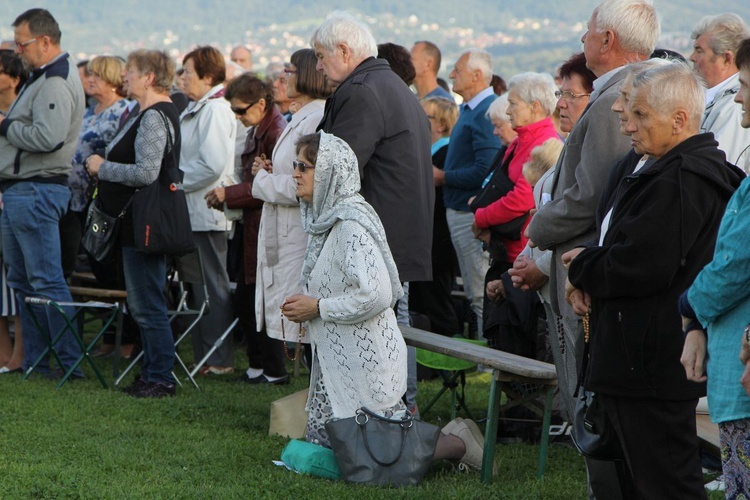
x,y
506,367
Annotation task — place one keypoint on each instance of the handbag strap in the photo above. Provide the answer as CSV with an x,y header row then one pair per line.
x,y
362,429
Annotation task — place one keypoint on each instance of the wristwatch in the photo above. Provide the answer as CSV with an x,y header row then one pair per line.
x,y
747,334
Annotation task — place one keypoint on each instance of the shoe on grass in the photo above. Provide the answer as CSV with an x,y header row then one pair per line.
x,y
137,385
717,484
155,390
468,432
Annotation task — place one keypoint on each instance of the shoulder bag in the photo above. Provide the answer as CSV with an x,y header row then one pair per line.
x,y
101,230
373,449
161,221
593,434
498,186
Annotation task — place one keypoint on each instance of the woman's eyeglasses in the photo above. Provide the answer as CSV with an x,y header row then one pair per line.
x,y
302,166
569,96
242,111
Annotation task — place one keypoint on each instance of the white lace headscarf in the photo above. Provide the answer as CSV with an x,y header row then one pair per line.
x,y
336,197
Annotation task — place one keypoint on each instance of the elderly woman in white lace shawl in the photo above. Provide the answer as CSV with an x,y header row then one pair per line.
x,y
351,283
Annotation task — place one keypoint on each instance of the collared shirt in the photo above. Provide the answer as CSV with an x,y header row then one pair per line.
x,y
713,91
474,102
602,81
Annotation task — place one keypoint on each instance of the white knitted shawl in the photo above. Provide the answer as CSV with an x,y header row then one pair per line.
x,y
336,197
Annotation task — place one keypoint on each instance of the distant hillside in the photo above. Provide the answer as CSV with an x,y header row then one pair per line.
x,y
521,35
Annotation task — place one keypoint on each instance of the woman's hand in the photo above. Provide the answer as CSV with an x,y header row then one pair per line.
x,y
495,290
215,198
694,355
261,163
568,256
579,300
92,164
300,308
745,358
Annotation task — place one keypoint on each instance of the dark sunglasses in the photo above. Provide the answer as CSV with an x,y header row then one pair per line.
x,y
242,111
302,166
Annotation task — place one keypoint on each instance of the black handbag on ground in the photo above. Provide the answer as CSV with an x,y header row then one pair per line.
x,y
498,186
373,449
593,434
100,231
161,221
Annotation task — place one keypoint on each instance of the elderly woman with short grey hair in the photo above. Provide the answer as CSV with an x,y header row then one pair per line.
x,y
531,102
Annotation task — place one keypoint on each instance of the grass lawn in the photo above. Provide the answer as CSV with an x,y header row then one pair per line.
x,y
86,442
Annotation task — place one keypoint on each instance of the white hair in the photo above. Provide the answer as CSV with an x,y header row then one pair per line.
x,y
635,22
498,109
672,86
479,60
726,32
532,87
341,27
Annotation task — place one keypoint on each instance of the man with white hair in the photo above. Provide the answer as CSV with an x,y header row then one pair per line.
x,y
473,146
717,39
374,111
242,56
618,32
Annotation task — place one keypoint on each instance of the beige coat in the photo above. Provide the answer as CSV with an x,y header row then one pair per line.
x,y
281,240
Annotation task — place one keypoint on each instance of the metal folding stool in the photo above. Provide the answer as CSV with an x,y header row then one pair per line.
x,y
69,327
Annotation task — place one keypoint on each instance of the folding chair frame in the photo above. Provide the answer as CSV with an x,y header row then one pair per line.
x,y
182,309
69,326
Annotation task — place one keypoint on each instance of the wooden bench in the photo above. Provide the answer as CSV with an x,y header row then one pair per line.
x,y
505,368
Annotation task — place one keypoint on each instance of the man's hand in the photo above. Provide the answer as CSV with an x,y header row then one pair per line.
x,y
526,275
438,176
694,355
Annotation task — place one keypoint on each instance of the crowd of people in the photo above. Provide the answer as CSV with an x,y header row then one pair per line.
x,y
608,198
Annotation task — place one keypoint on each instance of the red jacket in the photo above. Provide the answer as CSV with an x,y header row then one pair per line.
x,y
261,141
520,200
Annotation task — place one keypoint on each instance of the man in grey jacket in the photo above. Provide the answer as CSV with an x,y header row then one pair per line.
x,y
619,32
717,39
37,142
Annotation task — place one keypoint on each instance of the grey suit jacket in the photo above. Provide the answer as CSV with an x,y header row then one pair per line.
x,y
591,150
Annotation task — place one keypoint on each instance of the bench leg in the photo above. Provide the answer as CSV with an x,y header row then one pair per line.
x,y
544,442
490,430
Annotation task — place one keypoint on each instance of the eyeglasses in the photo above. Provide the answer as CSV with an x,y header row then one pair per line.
x,y
22,45
242,111
302,166
569,96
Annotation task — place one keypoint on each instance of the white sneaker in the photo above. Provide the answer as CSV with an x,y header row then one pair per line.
x,y
468,432
717,484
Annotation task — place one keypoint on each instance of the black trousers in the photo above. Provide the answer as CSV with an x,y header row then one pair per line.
x,y
661,447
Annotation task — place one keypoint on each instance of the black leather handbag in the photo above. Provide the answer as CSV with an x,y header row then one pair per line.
x,y
372,449
100,231
593,434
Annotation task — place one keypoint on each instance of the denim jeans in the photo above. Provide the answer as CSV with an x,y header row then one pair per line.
x,y
145,279
31,250
472,260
